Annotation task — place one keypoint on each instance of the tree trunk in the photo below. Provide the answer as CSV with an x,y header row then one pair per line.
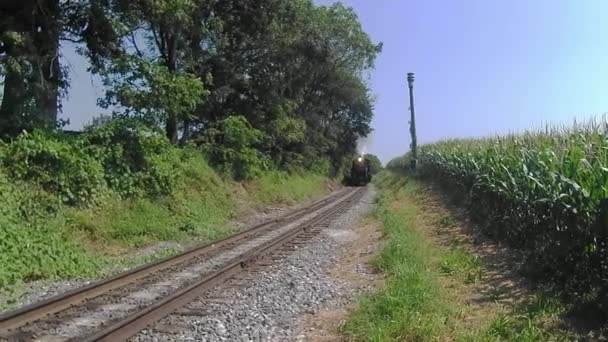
x,y
47,71
48,97
186,132
171,128
12,105
170,53
31,98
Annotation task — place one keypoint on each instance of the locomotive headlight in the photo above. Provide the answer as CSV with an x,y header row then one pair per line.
x,y
360,159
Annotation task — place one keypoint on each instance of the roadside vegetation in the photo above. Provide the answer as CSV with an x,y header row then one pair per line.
x,y
543,193
409,305
214,108
437,286
68,203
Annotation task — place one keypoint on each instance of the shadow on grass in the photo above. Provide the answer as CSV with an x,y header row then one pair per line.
x,y
511,280
539,308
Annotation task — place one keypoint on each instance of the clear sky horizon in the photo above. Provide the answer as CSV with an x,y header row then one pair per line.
x,y
482,67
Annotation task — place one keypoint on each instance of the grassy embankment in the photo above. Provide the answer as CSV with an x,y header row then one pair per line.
x,y
197,210
68,210
433,286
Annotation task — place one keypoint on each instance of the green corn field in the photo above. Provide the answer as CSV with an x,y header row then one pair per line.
x,y
543,192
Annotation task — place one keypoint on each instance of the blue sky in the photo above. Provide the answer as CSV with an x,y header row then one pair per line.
x,y
482,67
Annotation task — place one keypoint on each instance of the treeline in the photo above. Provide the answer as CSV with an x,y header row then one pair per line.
x,y
257,83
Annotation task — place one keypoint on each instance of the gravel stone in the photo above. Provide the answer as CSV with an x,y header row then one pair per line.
x,y
265,304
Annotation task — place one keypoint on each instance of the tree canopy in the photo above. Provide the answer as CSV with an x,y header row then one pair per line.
x,y
295,72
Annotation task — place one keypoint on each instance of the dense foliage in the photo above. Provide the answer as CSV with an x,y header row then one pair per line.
x,y
295,72
234,146
32,245
545,193
66,202
57,165
122,156
375,162
134,157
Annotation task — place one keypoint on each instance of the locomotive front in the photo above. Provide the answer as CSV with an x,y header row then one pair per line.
x,y
360,173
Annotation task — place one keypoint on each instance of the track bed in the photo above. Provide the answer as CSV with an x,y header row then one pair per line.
x,y
118,308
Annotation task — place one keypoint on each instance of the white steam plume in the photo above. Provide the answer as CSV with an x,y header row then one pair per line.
x,y
363,144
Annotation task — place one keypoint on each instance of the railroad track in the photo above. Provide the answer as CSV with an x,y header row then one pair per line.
x,y
119,307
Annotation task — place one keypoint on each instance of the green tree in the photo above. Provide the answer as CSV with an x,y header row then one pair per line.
x,y
336,100
375,162
30,32
233,146
152,92
295,72
291,57
148,68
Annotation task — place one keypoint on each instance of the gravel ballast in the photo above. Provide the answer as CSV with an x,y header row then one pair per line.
x,y
266,304
36,291
83,320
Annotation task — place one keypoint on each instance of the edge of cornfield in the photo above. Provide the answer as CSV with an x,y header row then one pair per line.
x,y
444,281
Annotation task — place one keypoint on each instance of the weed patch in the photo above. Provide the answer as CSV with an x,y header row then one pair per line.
x,y
279,187
534,320
33,241
410,305
457,261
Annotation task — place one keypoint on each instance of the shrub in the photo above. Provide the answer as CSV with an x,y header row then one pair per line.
x,y
319,166
59,166
136,158
376,164
286,139
32,238
231,146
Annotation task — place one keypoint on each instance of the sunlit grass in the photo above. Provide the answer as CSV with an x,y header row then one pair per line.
x,y
410,306
429,286
87,242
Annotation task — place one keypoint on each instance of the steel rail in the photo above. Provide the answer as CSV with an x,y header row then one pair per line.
x,y
36,311
133,324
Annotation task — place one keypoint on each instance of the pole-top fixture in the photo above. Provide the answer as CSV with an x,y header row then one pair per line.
x,y
410,78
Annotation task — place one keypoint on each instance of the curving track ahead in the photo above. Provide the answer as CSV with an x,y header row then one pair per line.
x,y
119,307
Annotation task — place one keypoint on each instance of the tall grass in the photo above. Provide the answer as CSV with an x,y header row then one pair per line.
x,y
275,187
545,192
410,307
432,290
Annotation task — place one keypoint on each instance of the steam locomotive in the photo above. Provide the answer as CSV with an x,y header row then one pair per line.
x,y
360,172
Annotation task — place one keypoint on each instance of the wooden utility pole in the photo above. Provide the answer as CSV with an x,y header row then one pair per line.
x,y
410,82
